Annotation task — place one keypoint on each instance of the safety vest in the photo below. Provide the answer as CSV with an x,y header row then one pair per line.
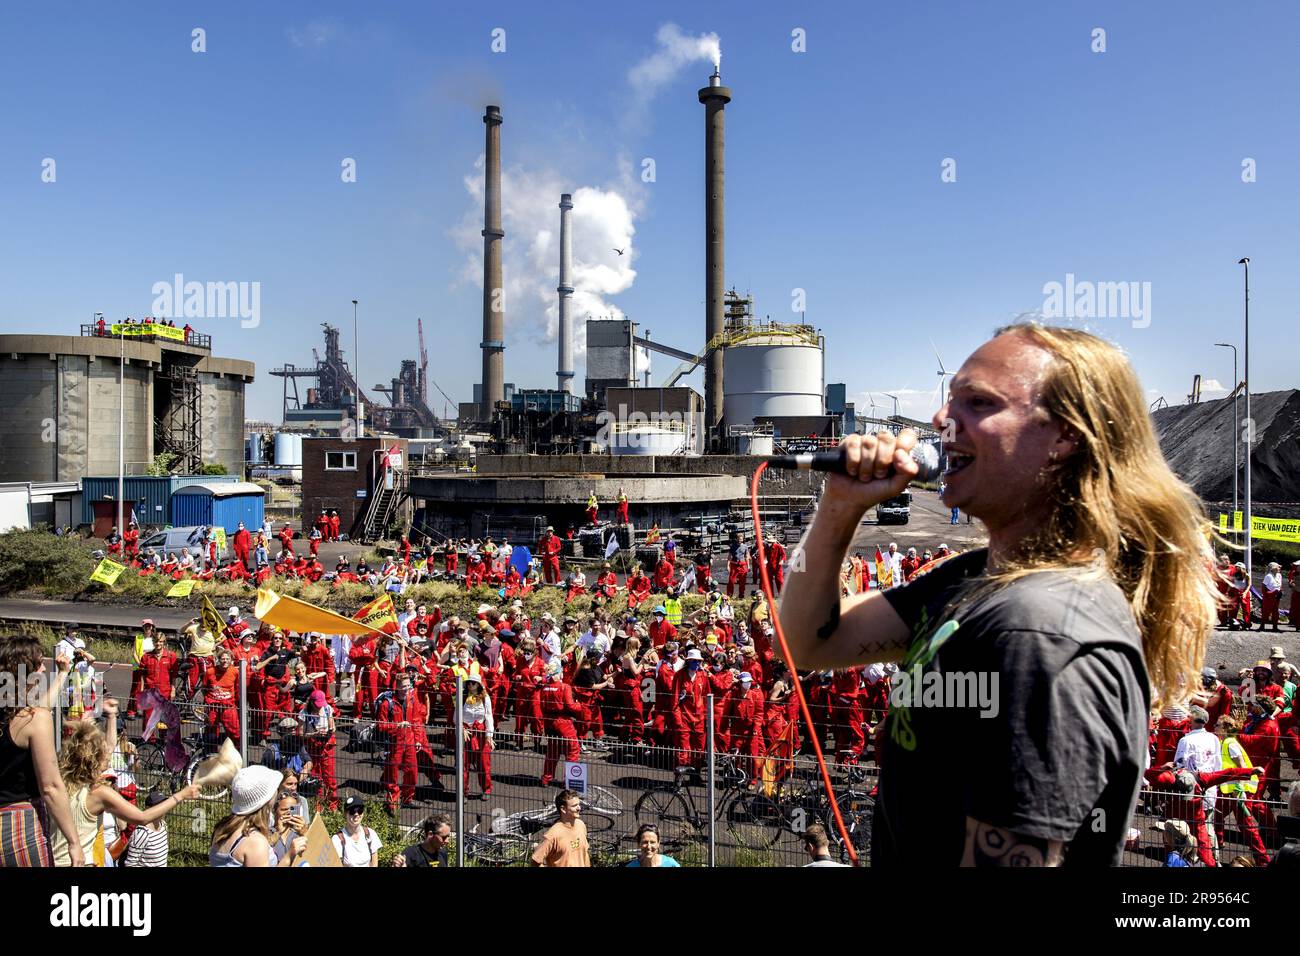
x,y
1237,786
673,611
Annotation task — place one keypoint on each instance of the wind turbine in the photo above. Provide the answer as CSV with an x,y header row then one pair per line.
x,y
944,375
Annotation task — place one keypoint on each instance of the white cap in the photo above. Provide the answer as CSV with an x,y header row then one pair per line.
x,y
233,612
694,654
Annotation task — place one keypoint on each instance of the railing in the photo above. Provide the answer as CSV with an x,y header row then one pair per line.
x,y
138,333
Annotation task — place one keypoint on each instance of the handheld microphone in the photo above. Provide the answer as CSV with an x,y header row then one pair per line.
x,y
924,455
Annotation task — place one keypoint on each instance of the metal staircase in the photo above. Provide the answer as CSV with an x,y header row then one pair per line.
x,y
384,501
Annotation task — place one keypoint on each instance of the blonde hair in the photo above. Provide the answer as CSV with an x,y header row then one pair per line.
x,y
84,754
1119,510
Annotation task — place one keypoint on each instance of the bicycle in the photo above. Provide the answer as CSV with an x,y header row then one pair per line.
x,y
598,804
803,802
754,820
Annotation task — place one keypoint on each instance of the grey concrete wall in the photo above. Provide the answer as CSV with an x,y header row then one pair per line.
x,y
29,397
101,419
574,490
773,482
222,409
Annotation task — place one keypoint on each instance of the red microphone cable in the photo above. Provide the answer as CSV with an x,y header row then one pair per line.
x,y
789,659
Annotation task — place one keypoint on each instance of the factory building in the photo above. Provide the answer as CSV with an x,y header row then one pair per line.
x,y
61,397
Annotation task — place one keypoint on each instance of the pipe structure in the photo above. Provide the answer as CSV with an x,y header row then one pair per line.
x,y
494,309
715,97
564,372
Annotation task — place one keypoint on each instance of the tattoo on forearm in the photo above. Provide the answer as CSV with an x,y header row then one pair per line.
x,y
996,846
831,626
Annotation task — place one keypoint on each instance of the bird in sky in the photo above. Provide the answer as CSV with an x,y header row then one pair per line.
x,y
619,251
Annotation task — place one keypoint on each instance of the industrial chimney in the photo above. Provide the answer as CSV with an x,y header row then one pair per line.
x,y
494,317
715,97
564,371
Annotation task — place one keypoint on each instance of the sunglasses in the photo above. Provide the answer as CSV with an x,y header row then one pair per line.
x,y
356,812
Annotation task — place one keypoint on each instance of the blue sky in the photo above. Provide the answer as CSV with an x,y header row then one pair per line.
x,y
1120,166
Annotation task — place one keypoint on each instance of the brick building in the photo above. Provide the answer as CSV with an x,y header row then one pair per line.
x,y
340,475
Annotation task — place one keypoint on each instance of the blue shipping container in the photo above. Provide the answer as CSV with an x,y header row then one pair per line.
x,y
219,505
151,496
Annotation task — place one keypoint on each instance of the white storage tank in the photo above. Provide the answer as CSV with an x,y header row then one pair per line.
x,y
648,440
253,453
773,373
761,445
288,450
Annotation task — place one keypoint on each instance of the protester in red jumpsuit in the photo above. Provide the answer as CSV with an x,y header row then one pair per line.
x,y
131,540
1262,740
334,525
476,573
221,698
589,684
622,508
665,674
776,556
737,568
665,574
743,723
550,548
846,715
322,525
627,693
1185,799
242,542
910,564
558,709
400,764
365,674
1215,697
156,671
690,687
1173,725
322,747
526,683
286,539
638,589
721,677
606,585
661,630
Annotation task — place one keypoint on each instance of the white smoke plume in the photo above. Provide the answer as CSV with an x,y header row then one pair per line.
x,y
603,220
675,50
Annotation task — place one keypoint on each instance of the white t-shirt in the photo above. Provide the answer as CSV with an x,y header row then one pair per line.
x,y
340,645
1199,752
356,851
1272,582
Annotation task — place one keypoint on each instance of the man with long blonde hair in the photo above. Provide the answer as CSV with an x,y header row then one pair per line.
x,y
1037,656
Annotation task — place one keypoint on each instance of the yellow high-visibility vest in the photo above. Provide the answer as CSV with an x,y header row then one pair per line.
x,y
1250,785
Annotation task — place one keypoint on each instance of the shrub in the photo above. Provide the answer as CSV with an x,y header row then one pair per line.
x,y
36,558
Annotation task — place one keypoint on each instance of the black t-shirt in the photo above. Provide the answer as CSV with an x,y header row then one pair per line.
x,y
1059,751
418,856
279,661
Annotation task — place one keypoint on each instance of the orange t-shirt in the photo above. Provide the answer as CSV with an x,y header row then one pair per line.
x,y
564,845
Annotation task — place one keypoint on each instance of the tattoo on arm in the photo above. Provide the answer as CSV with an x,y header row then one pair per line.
x,y
831,626
988,845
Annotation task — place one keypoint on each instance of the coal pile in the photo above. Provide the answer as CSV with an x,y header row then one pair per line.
x,y
1197,443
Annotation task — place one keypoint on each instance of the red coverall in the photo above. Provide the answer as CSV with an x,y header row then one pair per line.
x,y
322,751
665,574
318,659
846,715
242,543
1191,807
451,560
221,700
622,509
334,527
131,540
719,684
742,725
550,550
638,590
776,565
688,715
627,700
401,760
736,571
1263,744
592,719
662,719
703,578
661,632
365,676
606,585
559,708
286,539
526,679
156,671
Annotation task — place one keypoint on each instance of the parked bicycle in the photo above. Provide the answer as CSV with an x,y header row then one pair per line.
x,y
752,819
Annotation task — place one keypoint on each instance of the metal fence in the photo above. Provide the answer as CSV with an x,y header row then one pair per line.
x,y
711,805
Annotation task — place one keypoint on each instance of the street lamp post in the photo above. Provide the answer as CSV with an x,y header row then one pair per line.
x,y
1248,434
121,433
1236,452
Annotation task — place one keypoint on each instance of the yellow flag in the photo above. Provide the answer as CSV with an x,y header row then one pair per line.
x,y
1223,522
220,535
108,572
1237,524
295,615
379,613
138,653
211,620
181,588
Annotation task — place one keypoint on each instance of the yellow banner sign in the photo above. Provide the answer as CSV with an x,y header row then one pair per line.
x,y
1237,523
1223,524
108,572
1268,529
147,329
181,588
220,535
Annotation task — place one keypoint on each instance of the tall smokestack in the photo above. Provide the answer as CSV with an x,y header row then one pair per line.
x,y
715,98
494,312
564,372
